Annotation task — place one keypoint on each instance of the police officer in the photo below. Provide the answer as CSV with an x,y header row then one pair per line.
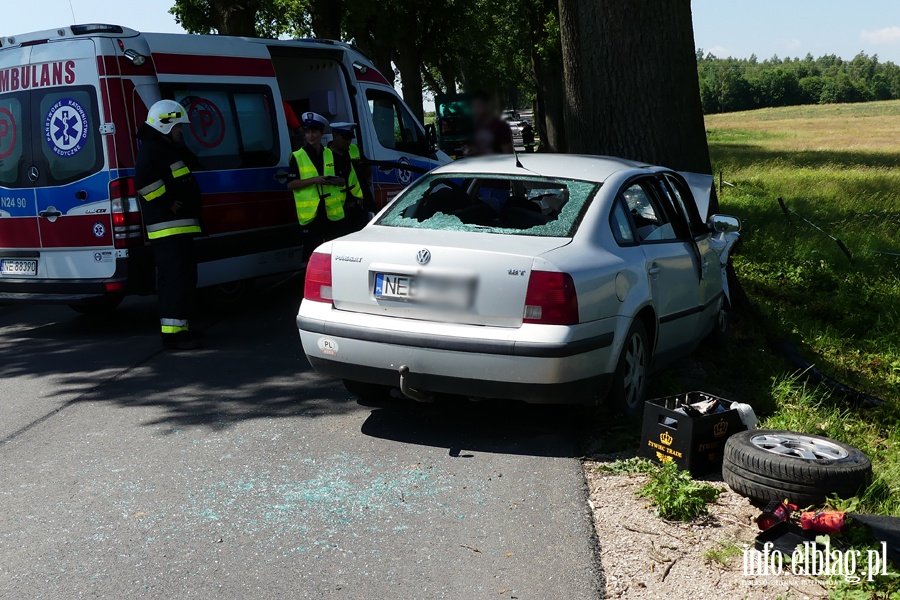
x,y
359,205
170,204
318,195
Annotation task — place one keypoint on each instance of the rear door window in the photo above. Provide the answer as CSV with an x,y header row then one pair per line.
x,y
232,127
648,213
13,144
65,126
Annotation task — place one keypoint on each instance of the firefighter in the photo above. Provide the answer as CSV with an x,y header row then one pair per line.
x,y
170,204
318,195
359,207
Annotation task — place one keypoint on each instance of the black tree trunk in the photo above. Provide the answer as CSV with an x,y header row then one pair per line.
x,y
631,81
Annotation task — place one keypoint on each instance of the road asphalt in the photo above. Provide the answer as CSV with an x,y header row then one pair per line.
x,y
238,472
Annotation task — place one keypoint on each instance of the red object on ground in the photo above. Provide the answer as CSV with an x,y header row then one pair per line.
x,y
774,513
827,521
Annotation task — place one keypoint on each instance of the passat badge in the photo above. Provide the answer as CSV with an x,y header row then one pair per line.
x,y
423,256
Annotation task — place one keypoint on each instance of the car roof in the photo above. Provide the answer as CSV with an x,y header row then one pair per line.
x,y
566,166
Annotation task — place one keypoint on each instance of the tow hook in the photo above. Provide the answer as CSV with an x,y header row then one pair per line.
x,y
408,391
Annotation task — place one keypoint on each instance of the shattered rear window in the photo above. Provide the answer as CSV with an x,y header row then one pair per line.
x,y
502,204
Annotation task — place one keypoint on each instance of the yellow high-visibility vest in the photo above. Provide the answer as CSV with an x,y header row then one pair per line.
x,y
307,199
353,187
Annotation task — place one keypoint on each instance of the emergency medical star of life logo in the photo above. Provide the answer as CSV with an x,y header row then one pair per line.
x,y
66,127
99,230
403,176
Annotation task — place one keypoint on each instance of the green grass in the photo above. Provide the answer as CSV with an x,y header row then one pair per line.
x,y
838,166
723,554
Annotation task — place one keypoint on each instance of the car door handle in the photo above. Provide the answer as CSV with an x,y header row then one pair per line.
x,y
654,270
48,214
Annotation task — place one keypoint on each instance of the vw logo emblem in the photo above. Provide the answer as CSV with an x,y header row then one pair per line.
x,y
423,256
33,173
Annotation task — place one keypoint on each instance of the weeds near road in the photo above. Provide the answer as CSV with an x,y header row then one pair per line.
x,y
724,553
673,492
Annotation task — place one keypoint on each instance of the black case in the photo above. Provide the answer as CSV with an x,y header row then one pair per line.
x,y
693,443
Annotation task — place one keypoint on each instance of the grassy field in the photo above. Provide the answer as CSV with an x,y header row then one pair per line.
x,y
838,166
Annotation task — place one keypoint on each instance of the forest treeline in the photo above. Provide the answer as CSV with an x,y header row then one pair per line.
x,y
732,84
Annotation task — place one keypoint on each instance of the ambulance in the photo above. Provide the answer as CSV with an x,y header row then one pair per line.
x,y
71,102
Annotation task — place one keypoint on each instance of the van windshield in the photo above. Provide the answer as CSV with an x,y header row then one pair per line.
x,y
493,204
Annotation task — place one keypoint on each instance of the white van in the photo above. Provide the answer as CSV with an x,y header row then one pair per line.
x,y
71,102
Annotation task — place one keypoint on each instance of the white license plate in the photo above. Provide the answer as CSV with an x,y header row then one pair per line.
x,y
437,291
14,267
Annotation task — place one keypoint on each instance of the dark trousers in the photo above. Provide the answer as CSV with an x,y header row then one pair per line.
x,y
176,264
322,229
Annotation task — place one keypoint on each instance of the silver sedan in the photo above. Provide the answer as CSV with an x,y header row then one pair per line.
x,y
544,278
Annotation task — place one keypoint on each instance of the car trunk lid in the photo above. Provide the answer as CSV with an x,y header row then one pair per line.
x,y
461,277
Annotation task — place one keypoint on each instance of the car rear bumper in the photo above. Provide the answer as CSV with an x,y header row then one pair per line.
x,y
582,391
536,363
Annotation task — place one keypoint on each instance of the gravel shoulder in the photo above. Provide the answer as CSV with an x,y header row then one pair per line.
x,y
643,556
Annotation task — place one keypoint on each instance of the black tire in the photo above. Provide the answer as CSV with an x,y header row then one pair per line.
x,y
721,333
367,391
108,304
760,474
629,388
226,296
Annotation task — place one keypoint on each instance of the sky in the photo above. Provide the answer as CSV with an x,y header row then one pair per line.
x,y
736,28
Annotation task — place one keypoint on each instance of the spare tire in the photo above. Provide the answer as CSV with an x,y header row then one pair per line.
x,y
769,464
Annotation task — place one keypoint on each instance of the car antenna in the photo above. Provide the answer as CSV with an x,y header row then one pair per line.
x,y
519,162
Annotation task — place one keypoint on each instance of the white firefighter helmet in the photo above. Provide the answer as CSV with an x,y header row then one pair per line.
x,y
165,114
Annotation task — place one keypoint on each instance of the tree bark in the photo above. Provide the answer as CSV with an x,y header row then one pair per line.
x,y
409,64
326,17
230,18
631,82
550,100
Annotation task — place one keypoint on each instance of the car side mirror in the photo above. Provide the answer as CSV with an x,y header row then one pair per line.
x,y
431,136
724,224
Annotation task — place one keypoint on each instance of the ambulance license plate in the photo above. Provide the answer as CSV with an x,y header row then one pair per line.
x,y
14,267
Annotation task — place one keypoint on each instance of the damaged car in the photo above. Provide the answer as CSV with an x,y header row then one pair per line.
x,y
543,278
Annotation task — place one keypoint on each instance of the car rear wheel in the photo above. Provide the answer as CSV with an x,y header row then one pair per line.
x,y
629,385
766,464
721,332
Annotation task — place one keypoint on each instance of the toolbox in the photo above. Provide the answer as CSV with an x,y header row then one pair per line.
x,y
695,443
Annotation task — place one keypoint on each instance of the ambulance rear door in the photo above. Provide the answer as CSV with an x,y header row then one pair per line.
x,y
20,239
68,162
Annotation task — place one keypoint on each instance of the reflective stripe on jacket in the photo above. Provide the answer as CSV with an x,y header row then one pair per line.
x,y
169,194
307,199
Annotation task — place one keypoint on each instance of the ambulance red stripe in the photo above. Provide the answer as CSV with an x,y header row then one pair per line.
x,y
19,232
75,231
218,66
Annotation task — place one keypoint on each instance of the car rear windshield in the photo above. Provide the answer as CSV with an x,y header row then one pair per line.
x,y
539,206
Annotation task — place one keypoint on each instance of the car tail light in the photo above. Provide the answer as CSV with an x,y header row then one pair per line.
x,y
126,214
318,278
551,299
